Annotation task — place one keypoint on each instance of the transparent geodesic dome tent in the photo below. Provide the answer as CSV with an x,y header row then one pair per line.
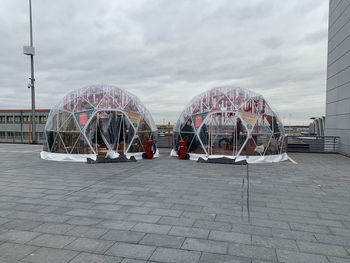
x,y
231,122
95,121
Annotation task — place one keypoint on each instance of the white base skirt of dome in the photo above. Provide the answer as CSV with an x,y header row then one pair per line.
x,y
66,157
250,159
138,156
63,157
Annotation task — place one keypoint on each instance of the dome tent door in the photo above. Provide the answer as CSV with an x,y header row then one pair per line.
x,y
110,130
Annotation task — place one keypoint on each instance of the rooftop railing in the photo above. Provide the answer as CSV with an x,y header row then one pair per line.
x,y
312,144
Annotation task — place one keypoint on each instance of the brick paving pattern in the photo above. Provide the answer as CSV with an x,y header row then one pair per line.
x,y
167,210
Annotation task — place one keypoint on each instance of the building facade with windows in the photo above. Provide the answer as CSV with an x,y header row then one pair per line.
x,y
338,74
15,125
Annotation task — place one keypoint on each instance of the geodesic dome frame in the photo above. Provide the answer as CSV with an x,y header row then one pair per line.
x,y
231,122
97,120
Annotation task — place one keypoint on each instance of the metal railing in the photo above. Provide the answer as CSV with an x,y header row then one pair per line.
x,y
163,140
312,144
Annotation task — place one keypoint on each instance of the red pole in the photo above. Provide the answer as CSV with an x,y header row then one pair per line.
x,y
169,135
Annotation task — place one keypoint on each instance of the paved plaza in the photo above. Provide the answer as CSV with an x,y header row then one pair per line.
x,y
169,210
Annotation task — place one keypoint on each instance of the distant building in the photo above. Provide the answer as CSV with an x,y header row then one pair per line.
x,y
14,125
338,74
317,126
296,129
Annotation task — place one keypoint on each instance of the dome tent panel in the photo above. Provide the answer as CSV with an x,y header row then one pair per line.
x,y
231,122
219,133
51,123
97,119
70,124
58,145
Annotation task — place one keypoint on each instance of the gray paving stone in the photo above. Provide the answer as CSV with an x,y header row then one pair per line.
x,y
109,207
18,236
93,258
116,224
4,220
123,236
262,261
138,210
309,228
162,240
333,239
199,215
270,223
176,221
189,232
230,237
233,219
254,230
90,245
21,224
131,251
249,251
86,231
295,235
39,217
212,225
166,212
52,255
130,202
156,204
151,228
191,208
210,258
143,218
338,260
307,220
15,251
205,245
274,242
50,240
129,260
340,231
81,212
347,249
170,255
84,221
285,256
53,228
324,249
55,210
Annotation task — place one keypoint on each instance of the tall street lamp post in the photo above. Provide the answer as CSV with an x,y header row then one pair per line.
x,y
30,51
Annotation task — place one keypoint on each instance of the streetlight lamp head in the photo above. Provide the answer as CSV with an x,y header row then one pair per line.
x,y
29,50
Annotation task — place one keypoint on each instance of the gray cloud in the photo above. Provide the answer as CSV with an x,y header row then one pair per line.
x,y
166,52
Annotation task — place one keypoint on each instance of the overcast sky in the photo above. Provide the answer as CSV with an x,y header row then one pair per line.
x,y
166,52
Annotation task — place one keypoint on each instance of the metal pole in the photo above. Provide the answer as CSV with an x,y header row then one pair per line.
x,y
169,135
248,192
32,79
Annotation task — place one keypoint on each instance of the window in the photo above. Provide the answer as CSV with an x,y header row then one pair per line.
x,y
18,135
2,134
10,134
9,119
42,119
26,118
17,119
2,119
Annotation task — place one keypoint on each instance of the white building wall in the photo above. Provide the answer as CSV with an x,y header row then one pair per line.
x,y
338,73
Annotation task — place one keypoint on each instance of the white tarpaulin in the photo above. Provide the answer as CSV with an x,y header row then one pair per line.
x,y
66,157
